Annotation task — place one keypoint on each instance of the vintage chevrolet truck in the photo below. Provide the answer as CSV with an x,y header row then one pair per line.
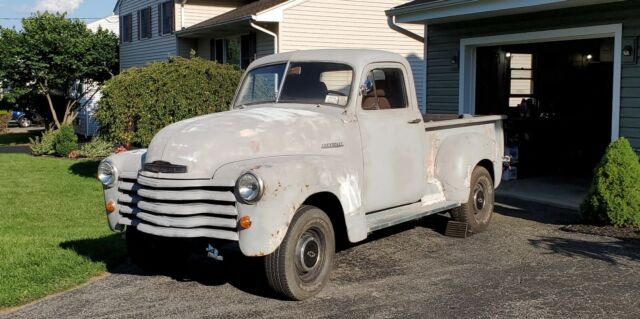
x,y
318,145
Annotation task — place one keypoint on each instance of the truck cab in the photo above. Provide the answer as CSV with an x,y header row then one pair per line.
x,y
317,146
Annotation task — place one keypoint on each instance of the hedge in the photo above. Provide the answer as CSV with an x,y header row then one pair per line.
x,y
139,102
614,196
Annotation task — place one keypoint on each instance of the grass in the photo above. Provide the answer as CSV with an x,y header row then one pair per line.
x,y
12,139
53,232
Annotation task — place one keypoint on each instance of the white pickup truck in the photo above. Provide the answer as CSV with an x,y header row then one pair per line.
x,y
318,145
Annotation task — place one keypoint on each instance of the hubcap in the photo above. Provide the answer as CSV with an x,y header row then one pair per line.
x,y
479,198
308,251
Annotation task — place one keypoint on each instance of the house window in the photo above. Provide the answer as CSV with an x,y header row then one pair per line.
x,y
126,28
521,81
166,20
232,51
240,51
144,23
248,50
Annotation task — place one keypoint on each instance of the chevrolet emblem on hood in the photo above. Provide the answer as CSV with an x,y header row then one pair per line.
x,y
164,167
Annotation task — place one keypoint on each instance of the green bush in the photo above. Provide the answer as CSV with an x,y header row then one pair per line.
x,y
65,140
139,102
43,145
97,148
5,117
614,196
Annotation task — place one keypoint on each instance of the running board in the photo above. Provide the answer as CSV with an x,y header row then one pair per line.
x,y
398,215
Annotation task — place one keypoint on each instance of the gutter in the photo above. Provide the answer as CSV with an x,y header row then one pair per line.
x,y
273,34
426,6
392,24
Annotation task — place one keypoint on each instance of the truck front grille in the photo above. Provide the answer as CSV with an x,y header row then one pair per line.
x,y
177,208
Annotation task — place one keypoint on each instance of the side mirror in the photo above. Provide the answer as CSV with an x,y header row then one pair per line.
x,y
366,87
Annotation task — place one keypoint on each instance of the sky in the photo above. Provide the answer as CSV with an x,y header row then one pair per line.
x,y
11,11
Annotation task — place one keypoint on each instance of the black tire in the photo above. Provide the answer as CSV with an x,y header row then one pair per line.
x,y
24,122
301,266
155,254
478,210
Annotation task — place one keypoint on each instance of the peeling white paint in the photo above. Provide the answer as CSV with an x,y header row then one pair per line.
x,y
350,193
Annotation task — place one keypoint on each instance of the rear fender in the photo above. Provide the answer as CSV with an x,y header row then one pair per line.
x,y
457,156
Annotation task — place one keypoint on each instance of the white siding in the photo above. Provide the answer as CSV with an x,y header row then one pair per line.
x,y
317,24
196,11
144,51
109,23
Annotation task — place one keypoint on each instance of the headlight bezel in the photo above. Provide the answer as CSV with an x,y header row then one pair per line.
x,y
113,171
260,189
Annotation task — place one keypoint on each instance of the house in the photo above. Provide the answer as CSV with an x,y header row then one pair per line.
x,y
237,32
85,123
565,72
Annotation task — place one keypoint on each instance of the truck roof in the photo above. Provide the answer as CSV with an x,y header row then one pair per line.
x,y
358,58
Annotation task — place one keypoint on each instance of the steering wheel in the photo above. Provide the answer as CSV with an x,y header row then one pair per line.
x,y
336,93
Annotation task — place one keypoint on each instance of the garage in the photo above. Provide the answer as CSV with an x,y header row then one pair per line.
x,y
564,72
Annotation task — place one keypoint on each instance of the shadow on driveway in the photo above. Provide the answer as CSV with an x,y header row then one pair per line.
x,y
611,252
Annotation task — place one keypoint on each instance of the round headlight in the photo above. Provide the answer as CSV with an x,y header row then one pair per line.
x,y
107,173
249,188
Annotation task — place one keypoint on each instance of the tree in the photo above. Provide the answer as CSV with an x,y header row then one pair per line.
x,y
57,58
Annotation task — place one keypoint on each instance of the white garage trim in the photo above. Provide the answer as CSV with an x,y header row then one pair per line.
x,y
467,89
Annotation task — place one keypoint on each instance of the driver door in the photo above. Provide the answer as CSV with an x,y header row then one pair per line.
x,y
392,136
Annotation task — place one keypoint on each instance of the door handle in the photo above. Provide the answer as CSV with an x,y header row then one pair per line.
x,y
416,121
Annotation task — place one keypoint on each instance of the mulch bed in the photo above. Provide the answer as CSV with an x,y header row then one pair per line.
x,y
607,231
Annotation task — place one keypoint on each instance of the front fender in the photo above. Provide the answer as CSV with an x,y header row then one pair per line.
x,y
457,156
288,182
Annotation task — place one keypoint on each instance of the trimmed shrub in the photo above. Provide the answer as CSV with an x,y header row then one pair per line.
x,y
5,117
43,145
65,140
614,196
139,102
97,148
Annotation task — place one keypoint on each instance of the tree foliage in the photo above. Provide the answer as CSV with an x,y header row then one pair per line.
x,y
614,197
51,56
139,102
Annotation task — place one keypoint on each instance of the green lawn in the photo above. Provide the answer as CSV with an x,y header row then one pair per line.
x,y
17,138
53,232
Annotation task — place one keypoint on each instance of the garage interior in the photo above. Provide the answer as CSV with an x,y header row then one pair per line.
x,y
558,99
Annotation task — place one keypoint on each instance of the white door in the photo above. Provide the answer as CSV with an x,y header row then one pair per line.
x,y
392,139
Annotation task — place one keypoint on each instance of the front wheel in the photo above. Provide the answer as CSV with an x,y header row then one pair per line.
x,y
478,210
300,267
24,122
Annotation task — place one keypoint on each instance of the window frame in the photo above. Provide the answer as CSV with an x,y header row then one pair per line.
x,y
145,14
511,78
405,94
171,27
126,29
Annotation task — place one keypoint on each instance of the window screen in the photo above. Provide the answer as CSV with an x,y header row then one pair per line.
x,y
386,90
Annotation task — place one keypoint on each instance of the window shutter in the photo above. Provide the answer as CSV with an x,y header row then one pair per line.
x,y
120,23
149,24
139,24
160,19
173,17
130,27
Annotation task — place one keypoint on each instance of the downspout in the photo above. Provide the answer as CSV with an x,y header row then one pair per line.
x,y
182,3
273,34
392,24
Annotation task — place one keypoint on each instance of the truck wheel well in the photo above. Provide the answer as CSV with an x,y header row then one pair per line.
x,y
489,166
331,205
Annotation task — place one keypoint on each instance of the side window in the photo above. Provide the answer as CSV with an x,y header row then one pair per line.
x,y
386,90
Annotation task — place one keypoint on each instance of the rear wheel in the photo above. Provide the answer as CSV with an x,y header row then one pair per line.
x,y
478,210
300,267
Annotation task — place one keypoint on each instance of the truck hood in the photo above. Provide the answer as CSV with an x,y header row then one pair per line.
x,y
203,144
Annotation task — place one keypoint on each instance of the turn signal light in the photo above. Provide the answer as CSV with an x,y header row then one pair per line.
x,y
245,222
110,206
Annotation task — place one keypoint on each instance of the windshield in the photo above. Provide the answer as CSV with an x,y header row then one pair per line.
x,y
305,82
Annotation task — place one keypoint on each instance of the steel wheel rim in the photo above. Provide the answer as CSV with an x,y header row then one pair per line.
x,y
479,198
481,193
310,254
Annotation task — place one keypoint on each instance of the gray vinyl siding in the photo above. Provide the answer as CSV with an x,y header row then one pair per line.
x,y
320,24
443,43
264,44
144,51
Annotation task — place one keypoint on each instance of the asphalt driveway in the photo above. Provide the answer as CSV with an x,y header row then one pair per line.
x,y
524,266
